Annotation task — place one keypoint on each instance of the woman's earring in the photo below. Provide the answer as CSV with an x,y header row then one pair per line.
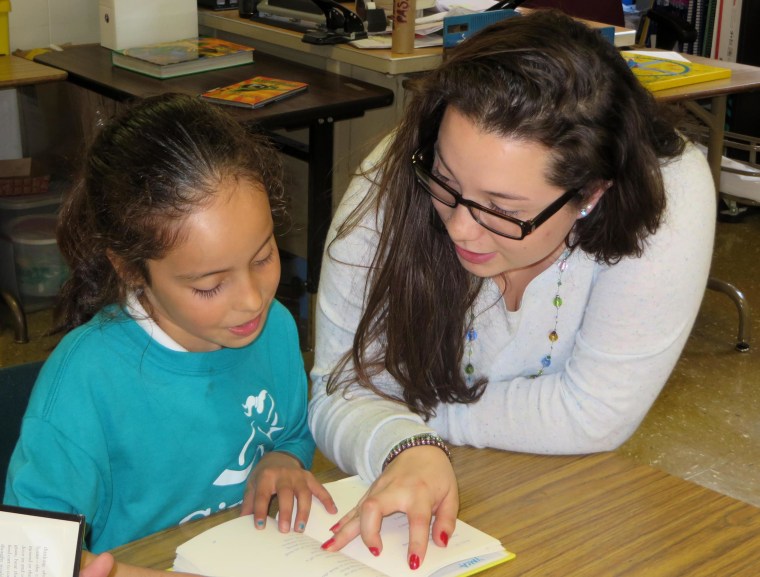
x,y
585,210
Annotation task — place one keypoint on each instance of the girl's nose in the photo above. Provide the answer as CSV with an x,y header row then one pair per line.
x,y
250,297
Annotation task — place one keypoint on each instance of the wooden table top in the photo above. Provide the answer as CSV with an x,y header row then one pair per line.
x,y
379,60
15,71
594,515
744,78
329,95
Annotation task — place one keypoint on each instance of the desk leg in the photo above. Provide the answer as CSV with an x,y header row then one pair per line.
x,y
715,121
321,137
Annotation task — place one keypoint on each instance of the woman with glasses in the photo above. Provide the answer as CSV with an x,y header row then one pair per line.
x,y
518,266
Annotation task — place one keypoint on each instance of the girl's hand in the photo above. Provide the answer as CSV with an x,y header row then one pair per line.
x,y
100,566
282,475
419,482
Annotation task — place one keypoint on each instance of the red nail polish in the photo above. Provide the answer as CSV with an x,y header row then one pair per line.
x,y
375,551
445,538
414,562
335,527
329,542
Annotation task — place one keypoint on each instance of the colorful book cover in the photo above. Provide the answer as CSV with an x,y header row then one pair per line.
x,y
185,50
254,92
661,73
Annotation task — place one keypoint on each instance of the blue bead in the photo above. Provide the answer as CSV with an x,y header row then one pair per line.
x,y
546,361
472,335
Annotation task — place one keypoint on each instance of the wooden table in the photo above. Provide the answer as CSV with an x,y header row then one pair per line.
x,y
330,98
15,71
384,61
595,515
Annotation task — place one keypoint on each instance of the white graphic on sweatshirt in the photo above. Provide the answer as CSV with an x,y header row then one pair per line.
x,y
264,424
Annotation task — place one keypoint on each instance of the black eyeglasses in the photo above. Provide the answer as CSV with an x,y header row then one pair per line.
x,y
493,220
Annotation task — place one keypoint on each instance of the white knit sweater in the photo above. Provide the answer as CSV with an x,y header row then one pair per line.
x,y
622,329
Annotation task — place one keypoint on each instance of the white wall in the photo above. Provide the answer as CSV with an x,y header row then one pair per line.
x,y
39,23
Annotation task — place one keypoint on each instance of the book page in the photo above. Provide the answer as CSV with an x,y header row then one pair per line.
x,y
237,549
33,545
466,544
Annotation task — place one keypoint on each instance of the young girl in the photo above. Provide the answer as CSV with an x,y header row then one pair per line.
x,y
179,389
543,221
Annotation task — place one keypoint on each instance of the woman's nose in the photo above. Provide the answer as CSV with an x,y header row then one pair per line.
x,y
461,225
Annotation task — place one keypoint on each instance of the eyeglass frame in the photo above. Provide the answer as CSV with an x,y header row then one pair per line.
x,y
526,226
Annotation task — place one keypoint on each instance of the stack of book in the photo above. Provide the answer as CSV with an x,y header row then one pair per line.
x,y
182,57
193,55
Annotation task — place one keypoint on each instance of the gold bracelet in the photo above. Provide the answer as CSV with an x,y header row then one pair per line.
x,y
421,440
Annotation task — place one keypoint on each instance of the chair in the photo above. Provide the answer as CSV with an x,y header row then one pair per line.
x,y
16,384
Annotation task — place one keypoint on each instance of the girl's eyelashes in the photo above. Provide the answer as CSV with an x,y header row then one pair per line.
x,y
266,260
207,294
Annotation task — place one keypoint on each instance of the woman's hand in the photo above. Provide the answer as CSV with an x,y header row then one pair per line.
x,y
419,482
282,475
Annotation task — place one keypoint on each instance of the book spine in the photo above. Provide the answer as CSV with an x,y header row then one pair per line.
x,y
720,10
734,29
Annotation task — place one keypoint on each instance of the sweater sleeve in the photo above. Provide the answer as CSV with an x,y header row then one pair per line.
x,y
638,317
356,429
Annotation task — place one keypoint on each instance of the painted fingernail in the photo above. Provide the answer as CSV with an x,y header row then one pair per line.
x,y
414,562
260,523
375,551
328,543
335,527
301,527
445,538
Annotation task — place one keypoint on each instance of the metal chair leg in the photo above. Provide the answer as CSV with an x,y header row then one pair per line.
x,y
742,342
19,317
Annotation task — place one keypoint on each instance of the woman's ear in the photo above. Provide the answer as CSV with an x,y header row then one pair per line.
x,y
591,200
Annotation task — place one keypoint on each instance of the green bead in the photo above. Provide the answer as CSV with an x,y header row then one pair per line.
x,y
469,369
557,301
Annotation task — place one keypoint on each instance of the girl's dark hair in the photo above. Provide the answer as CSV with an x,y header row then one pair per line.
x,y
541,78
155,163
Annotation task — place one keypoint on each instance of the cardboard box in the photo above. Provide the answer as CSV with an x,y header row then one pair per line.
x,y
21,176
129,23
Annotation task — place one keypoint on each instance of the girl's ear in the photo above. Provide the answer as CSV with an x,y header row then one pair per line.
x,y
590,201
124,271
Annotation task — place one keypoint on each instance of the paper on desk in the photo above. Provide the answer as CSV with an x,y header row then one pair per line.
x,y
665,55
471,5
426,30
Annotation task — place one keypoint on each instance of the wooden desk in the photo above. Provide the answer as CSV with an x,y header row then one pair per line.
x,y
15,71
330,98
382,61
743,78
596,515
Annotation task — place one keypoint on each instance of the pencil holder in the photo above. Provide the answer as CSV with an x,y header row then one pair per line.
x,y
402,36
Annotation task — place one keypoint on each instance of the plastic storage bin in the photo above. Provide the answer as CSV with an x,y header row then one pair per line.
x,y
40,270
13,207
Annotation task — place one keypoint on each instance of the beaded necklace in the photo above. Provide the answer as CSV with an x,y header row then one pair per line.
x,y
546,361
472,334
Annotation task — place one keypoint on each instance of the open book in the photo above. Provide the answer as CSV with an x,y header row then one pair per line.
x,y
35,543
237,549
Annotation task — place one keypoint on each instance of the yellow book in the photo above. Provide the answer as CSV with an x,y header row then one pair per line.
x,y
661,73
